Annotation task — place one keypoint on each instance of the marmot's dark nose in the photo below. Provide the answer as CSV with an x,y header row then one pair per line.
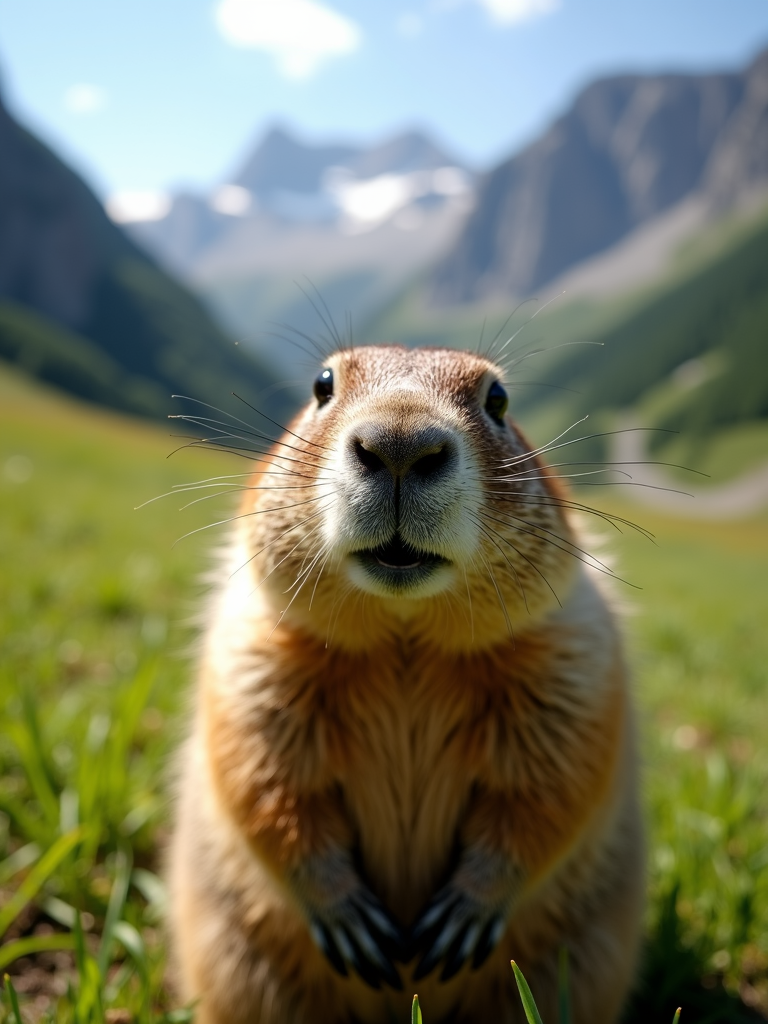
x,y
424,452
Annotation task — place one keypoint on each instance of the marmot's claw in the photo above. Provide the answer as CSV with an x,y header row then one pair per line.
x,y
359,933
490,936
455,929
325,943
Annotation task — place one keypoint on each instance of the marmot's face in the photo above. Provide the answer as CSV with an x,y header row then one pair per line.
x,y
409,483
406,468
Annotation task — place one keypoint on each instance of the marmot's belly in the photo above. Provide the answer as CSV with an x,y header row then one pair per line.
x,y
407,829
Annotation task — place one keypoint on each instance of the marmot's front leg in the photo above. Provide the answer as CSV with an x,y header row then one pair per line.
x,y
465,919
507,841
346,919
306,843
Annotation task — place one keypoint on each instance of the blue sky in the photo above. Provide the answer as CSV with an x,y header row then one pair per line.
x,y
154,94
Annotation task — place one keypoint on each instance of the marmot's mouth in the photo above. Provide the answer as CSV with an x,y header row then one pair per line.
x,y
399,555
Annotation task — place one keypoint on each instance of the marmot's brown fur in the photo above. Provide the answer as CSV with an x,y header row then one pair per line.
x,y
412,757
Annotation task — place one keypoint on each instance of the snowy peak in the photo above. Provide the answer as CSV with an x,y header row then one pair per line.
x,y
343,189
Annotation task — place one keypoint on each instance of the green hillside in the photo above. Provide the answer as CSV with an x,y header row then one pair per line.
x,y
43,349
717,315
83,308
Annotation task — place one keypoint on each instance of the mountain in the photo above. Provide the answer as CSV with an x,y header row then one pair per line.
x,y
344,189
703,338
629,150
281,163
83,308
739,164
357,222
596,206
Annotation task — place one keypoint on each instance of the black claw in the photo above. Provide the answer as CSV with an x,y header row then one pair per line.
x,y
369,972
380,958
485,944
391,939
410,947
378,913
452,953
361,936
454,959
426,965
392,949
392,977
427,939
421,931
331,950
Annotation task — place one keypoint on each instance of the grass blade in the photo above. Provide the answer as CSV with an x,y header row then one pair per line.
x,y
185,1015
676,1018
11,992
416,1011
86,998
36,758
33,944
563,992
130,938
117,900
17,861
529,1004
37,877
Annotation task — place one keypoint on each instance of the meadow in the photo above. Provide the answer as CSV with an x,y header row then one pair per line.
x,y
97,605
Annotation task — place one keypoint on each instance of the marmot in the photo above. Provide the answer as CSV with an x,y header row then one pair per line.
x,y
412,757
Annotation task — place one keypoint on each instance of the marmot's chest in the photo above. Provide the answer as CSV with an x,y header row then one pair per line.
x,y
405,744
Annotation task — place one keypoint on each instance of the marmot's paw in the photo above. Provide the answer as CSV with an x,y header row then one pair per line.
x,y
465,920
454,928
358,932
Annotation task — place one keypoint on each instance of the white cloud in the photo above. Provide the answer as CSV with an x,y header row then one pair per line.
x,y
300,34
125,207
509,12
84,98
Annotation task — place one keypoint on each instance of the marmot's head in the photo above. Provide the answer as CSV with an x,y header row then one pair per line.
x,y
403,497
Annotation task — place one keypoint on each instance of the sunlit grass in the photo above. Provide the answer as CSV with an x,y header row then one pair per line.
x,y
95,603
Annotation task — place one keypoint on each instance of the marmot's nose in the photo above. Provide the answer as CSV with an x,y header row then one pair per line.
x,y
424,451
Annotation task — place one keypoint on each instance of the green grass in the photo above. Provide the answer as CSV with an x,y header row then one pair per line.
x,y
95,603
699,649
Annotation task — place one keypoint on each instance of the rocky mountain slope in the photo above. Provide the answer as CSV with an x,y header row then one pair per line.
x,y
630,149
82,307
703,337
286,186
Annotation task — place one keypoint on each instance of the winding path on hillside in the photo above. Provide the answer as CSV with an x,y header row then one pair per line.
x,y
652,486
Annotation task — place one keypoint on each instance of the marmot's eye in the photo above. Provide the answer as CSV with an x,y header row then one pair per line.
x,y
323,387
497,401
